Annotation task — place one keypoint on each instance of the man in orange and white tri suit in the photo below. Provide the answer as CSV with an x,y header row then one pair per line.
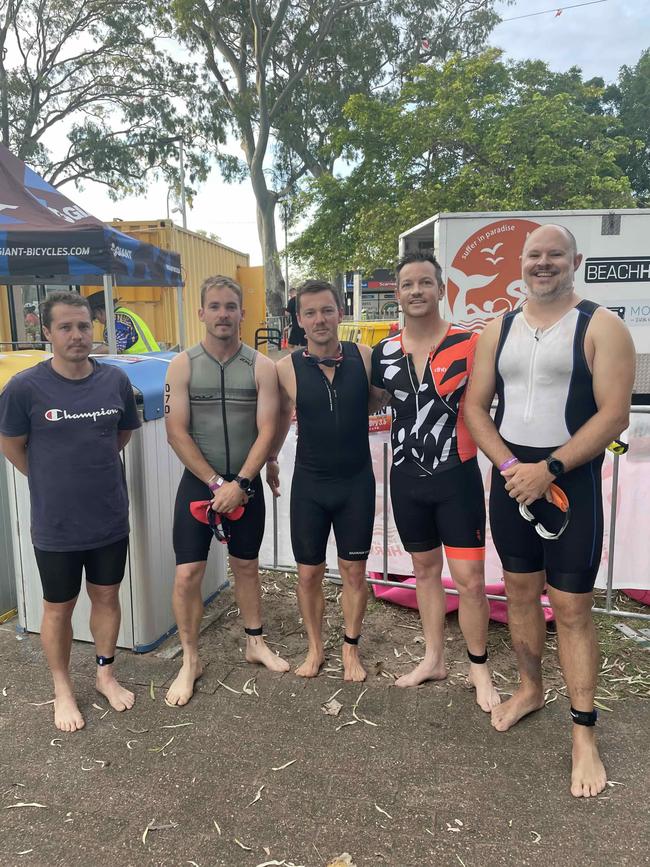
x,y
435,483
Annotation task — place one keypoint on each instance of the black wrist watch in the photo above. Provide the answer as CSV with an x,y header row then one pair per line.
x,y
555,465
244,484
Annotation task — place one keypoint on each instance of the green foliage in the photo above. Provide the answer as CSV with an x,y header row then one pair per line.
x,y
90,74
472,134
631,100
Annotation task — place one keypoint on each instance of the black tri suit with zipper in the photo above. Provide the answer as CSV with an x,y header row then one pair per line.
x,y
333,482
223,424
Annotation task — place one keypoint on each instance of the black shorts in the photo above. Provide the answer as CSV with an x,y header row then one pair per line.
x,y
447,508
61,571
571,561
317,505
192,539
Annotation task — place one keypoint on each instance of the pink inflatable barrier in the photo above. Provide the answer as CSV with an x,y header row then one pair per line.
x,y
405,596
639,595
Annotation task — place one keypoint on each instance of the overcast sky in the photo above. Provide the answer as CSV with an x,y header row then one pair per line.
x,y
599,38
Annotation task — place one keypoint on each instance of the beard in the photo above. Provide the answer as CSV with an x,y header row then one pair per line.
x,y
562,290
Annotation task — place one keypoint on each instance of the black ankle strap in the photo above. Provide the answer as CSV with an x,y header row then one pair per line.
x,y
584,717
104,660
348,640
478,659
258,631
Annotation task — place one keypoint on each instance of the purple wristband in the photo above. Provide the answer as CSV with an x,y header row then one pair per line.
x,y
507,464
215,485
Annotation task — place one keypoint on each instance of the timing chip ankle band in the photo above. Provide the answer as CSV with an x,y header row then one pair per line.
x,y
258,631
348,640
584,717
104,660
476,658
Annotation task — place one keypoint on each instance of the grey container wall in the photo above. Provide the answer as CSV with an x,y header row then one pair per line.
x,y
152,473
7,566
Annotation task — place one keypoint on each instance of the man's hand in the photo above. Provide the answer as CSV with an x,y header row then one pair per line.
x,y
528,482
273,477
228,497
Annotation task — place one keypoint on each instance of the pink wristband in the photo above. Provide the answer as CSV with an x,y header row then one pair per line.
x,y
507,464
214,486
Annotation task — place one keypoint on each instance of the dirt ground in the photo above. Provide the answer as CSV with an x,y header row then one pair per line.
x,y
254,772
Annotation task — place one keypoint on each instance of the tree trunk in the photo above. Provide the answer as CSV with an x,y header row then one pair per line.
x,y
266,201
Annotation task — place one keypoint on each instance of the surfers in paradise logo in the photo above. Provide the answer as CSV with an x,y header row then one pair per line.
x,y
484,279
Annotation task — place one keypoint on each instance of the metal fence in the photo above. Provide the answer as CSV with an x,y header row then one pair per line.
x,y
385,582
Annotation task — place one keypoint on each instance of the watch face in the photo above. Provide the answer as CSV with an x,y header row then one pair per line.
x,y
243,483
556,467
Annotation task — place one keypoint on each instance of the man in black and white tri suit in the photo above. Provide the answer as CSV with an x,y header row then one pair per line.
x,y
562,369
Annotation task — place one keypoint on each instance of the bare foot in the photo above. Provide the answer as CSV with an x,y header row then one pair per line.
x,y
588,776
352,668
67,717
523,702
311,665
487,697
182,688
118,697
428,669
258,651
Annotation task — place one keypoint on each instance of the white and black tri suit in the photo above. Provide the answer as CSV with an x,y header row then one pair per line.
x,y
545,392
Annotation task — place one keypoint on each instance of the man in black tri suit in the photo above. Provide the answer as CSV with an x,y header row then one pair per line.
x,y
333,482
563,370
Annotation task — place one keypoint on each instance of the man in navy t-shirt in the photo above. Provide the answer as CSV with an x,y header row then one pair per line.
x,y
63,424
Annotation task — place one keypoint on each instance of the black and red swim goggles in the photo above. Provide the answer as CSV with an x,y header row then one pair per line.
x,y
327,361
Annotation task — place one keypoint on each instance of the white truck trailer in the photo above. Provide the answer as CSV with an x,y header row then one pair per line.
x,y
480,254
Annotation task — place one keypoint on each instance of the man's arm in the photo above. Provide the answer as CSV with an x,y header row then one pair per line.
x,y
15,451
287,403
480,394
177,418
378,397
123,437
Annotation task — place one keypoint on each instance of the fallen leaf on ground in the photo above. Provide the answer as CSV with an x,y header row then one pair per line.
x,y
41,703
331,707
352,722
178,725
24,804
160,749
243,846
379,810
153,827
229,688
257,796
285,765
152,694
344,860
360,718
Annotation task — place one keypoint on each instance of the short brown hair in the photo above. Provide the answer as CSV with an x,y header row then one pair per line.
x,y
420,256
218,281
72,299
311,287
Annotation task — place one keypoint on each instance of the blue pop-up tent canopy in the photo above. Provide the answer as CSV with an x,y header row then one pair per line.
x,y
46,238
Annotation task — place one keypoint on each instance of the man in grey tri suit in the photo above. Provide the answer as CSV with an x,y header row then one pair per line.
x,y
221,404
563,370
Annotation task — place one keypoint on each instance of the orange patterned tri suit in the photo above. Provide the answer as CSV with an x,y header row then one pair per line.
x,y
436,487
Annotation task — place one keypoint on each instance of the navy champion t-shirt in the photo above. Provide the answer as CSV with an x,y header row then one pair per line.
x,y
76,479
